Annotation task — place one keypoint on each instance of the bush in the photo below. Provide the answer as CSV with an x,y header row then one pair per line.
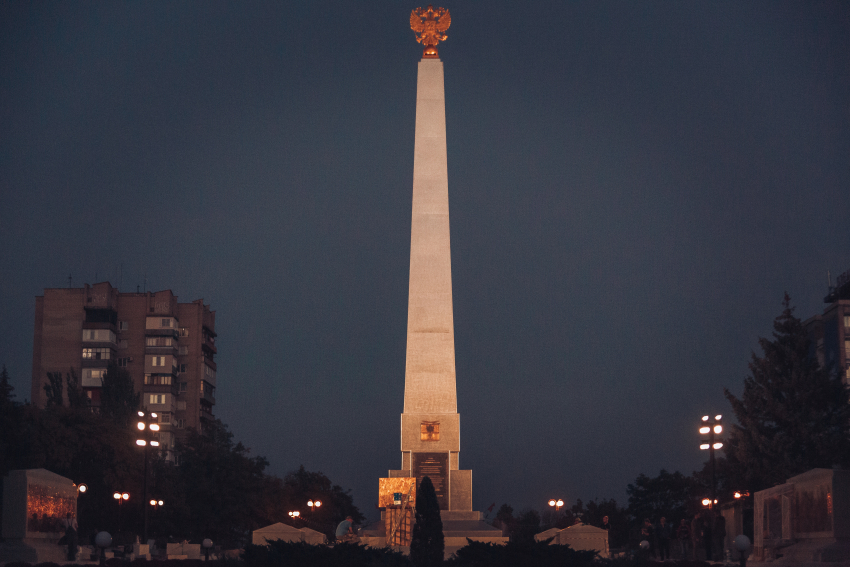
x,y
521,554
284,554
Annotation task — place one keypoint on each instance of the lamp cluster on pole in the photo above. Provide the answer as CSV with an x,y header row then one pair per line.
x,y
121,497
148,429
710,432
556,504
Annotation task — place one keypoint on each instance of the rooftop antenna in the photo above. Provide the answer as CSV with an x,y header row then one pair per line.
x,y
145,288
69,281
137,288
120,274
828,279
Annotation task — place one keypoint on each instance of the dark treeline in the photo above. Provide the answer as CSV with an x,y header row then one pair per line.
x,y
793,416
218,490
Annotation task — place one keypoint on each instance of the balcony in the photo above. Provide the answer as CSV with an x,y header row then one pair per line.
x,y
165,332
209,344
207,393
104,326
161,388
160,345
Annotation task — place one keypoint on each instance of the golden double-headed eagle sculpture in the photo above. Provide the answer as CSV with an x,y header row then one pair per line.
x,y
429,24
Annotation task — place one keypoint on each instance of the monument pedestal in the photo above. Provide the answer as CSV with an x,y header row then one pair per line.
x,y
458,526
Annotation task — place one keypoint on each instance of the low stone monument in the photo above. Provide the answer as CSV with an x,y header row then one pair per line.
x,y
35,502
579,537
287,533
807,519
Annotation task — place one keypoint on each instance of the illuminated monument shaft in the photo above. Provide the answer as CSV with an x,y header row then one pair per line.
x,y
430,424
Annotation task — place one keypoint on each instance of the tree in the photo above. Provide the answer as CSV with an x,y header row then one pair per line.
x,y
505,519
527,526
427,544
53,389
672,495
222,484
7,392
77,397
302,485
793,415
118,398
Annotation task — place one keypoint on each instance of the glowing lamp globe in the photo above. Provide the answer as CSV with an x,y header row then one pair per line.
x,y
742,543
103,539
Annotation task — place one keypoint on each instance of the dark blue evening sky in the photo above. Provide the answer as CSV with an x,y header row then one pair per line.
x,y
633,187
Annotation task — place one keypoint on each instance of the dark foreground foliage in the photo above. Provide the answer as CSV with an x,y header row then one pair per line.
x,y
536,554
284,554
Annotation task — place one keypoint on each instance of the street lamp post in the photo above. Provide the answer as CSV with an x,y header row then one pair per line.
x,y
121,497
147,427
710,433
156,504
556,504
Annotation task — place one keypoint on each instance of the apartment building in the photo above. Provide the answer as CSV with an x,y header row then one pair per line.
x,y
830,331
167,347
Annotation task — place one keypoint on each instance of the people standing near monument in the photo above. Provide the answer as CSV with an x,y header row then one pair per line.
x,y
647,533
664,532
696,533
708,535
719,533
71,527
683,534
345,531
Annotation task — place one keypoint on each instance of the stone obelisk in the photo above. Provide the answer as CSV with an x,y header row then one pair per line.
x,y
430,424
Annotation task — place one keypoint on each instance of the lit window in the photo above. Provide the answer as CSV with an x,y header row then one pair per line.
x,y
123,325
166,322
101,335
157,398
184,332
97,353
158,379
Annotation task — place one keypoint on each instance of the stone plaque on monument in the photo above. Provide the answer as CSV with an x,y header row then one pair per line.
x,y
436,467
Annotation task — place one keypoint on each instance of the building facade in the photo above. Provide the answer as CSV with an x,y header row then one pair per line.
x,y
830,331
168,349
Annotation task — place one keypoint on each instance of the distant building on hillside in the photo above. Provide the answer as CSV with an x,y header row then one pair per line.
x,y
830,331
167,347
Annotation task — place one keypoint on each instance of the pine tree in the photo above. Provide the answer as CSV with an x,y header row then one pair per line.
x,y
793,415
427,544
